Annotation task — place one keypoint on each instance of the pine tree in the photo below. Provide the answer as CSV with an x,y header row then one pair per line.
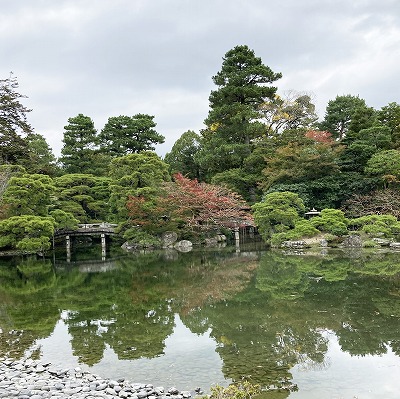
x,y
13,122
80,141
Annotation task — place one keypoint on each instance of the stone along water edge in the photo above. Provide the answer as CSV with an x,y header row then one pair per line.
x,y
30,379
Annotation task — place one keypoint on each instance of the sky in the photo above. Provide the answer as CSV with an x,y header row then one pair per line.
x,y
105,58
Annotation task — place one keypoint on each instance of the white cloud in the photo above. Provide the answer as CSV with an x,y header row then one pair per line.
x,y
103,58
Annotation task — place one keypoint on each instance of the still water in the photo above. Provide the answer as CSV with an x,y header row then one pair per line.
x,y
328,324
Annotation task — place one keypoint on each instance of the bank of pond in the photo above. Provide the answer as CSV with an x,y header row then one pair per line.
x,y
304,324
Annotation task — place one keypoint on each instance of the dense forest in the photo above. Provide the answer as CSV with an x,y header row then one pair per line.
x,y
263,158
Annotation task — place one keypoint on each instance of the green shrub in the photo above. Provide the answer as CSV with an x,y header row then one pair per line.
x,y
141,238
278,238
377,225
277,213
64,220
370,244
331,238
26,233
331,221
303,228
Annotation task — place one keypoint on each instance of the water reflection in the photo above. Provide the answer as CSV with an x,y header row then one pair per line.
x,y
207,316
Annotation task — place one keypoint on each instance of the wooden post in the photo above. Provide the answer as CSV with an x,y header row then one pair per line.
x,y
251,232
68,243
103,246
237,238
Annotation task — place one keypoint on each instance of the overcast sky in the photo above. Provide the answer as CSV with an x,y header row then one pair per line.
x,y
106,58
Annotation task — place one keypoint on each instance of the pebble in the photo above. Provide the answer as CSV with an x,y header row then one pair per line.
x,y
31,379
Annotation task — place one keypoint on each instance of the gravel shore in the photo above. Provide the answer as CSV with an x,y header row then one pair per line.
x,y
30,379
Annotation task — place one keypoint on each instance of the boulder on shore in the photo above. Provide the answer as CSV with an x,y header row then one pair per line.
x,y
352,241
168,239
183,246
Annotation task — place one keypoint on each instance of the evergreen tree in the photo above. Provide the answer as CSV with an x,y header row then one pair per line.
x,y
28,195
80,141
135,175
233,121
28,233
13,122
83,195
40,157
339,114
181,158
390,117
124,135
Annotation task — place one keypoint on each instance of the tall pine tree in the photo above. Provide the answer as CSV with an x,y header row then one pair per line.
x,y
233,122
13,122
80,141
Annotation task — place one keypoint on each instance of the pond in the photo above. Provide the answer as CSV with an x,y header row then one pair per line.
x,y
322,325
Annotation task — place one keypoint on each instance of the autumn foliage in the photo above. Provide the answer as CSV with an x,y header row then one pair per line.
x,y
190,204
320,136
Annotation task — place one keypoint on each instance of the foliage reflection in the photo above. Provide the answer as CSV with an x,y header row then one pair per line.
x,y
267,311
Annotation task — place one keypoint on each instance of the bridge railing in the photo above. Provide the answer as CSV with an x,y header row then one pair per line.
x,y
87,229
97,225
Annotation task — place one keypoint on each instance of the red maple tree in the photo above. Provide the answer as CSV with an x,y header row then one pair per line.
x,y
320,136
194,204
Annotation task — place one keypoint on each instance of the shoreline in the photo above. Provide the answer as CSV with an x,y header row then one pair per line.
x,y
31,379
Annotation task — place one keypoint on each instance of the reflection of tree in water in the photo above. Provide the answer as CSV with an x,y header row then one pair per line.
x,y
264,319
27,310
132,309
260,339
281,320
102,311
87,342
369,328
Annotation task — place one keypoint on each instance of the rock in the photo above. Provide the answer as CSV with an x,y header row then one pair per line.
x,y
352,241
382,241
394,245
33,380
159,390
110,391
130,246
101,387
211,242
59,386
293,244
142,394
168,239
184,246
40,368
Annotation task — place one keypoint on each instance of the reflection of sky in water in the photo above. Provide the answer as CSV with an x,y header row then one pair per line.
x,y
189,360
345,376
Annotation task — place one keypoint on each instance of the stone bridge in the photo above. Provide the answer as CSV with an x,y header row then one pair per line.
x,y
102,229
88,229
